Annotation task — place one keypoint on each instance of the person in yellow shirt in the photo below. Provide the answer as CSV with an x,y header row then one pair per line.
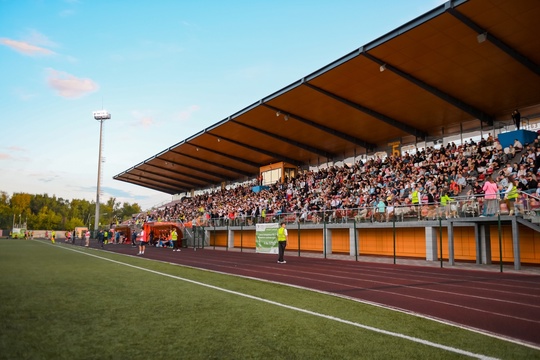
x,y
53,236
174,239
282,237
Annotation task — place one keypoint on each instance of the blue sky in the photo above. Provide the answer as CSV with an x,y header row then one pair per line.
x,y
164,70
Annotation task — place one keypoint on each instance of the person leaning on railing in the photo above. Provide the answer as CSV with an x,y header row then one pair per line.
x,y
491,192
449,209
511,194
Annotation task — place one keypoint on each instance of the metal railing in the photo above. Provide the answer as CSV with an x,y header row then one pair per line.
x,y
459,207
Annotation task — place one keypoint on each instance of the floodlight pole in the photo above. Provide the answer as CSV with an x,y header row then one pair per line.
x,y
100,116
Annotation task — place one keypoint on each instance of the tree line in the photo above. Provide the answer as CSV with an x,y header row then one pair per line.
x,y
42,212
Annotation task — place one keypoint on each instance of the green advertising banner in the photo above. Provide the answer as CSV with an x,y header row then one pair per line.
x,y
266,238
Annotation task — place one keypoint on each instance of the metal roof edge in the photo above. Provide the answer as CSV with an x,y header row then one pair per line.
x,y
431,14
388,36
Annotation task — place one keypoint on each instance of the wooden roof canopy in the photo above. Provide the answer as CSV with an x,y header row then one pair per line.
x,y
463,65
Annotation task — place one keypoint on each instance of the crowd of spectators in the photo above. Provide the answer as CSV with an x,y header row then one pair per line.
x,y
374,188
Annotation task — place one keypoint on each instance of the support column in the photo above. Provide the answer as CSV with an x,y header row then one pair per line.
x,y
451,243
477,243
485,243
328,241
352,245
515,241
230,239
431,244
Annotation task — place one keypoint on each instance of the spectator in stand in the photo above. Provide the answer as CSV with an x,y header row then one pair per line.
x,y
472,174
518,146
447,206
516,118
380,210
490,140
511,195
454,189
477,188
511,152
532,184
491,191
461,182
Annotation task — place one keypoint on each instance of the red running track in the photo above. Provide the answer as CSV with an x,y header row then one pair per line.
x,y
504,304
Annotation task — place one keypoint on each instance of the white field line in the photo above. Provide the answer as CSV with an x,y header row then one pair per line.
x,y
333,318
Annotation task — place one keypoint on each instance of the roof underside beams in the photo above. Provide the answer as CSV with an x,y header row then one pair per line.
x,y
288,141
278,157
471,110
406,128
232,157
190,175
326,129
210,173
228,168
529,64
151,175
146,184
171,171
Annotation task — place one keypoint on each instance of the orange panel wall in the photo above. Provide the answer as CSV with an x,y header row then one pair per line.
x,y
410,242
340,241
244,239
529,245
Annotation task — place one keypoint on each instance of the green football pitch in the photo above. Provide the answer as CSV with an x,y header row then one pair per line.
x,y
65,302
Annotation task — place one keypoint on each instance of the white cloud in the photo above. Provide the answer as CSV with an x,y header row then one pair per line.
x,y
26,48
186,114
70,86
146,121
38,39
16,148
143,119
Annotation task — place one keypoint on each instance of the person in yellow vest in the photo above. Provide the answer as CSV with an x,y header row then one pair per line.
x,y
445,203
174,239
282,237
53,236
415,199
511,195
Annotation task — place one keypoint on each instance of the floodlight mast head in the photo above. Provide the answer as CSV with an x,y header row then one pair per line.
x,y
101,115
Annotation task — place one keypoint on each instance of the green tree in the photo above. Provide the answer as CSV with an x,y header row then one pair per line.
x,y
51,213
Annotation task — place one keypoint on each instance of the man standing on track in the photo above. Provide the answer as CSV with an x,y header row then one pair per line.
x,y
174,239
101,238
87,238
142,243
282,236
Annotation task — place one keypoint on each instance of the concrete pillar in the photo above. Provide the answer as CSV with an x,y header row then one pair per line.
x,y
451,243
477,243
230,239
485,244
431,243
515,242
328,241
352,241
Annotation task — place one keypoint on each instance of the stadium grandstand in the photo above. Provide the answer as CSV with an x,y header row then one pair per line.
x,y
396,140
